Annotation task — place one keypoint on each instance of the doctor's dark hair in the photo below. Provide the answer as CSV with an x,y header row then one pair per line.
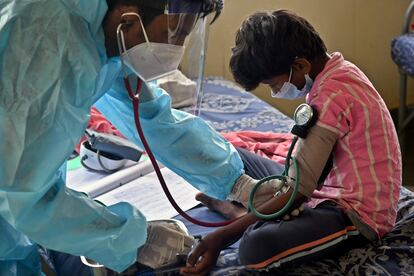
x,y
267,44
148,12
153,8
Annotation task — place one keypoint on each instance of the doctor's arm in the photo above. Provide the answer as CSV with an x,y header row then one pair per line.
x,y
35,201
184,143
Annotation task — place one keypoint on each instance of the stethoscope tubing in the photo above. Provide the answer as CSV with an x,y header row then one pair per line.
x,y
136,103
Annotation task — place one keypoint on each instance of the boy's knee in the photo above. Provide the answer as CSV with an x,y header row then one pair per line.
x,y
247,249
255,245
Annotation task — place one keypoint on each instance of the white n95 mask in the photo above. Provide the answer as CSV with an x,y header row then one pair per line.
x,y
150,60
290,91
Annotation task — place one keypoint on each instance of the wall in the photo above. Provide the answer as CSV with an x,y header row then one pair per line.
x,y
361,29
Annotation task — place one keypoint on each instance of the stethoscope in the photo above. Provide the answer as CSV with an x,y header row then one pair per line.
x,y
305,117
134,96
304,114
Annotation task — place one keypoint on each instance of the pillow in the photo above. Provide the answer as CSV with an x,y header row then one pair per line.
x,y
402,52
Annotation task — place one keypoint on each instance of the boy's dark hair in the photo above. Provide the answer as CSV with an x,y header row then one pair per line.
x,y
267,44
153,8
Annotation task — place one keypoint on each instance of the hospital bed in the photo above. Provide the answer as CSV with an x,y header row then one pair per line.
x,y
228,108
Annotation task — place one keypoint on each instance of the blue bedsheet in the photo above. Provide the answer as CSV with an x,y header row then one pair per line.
x,y
227,108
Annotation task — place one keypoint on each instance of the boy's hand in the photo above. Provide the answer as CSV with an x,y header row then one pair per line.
x,y
204,256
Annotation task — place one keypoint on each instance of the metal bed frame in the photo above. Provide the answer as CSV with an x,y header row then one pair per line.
x,y
405,115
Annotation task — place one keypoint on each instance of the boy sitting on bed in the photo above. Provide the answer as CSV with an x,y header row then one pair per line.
x,y
357,202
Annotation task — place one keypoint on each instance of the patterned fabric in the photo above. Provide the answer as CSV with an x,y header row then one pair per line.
x,y
393,255
228,108
367,169
402,52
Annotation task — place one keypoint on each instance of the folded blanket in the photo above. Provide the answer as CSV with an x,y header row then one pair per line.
x,y
274,146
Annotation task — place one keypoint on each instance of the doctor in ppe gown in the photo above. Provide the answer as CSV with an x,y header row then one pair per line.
x,y
53,67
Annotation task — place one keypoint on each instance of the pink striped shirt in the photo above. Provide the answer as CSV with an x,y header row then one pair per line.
x,y
366,174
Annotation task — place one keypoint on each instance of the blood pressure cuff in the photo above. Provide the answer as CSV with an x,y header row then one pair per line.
x,y
313,156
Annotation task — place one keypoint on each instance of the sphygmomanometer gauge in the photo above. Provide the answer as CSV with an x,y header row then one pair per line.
x,y
305,117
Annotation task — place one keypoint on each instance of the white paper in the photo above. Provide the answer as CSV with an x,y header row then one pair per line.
x,y
95,184
146,194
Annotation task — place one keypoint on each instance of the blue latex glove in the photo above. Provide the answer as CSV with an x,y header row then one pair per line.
x,y
182,142
53,66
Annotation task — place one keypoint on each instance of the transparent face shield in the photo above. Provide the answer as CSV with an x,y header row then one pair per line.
x,y
168,49
194,59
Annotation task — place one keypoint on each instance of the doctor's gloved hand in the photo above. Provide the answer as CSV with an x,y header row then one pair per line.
x,y
244,185
165,239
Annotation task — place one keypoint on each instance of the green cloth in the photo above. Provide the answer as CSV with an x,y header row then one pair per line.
x,y
74,164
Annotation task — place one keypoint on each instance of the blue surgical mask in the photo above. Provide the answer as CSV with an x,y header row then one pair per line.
x,y
290,91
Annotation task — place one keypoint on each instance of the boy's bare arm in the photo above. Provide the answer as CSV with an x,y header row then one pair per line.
x,y
205,254
234,231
